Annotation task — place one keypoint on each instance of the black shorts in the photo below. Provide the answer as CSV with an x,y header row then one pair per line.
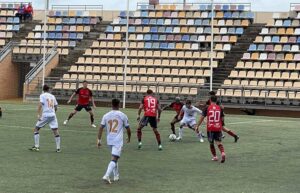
x,y
86,107
214,136
151,120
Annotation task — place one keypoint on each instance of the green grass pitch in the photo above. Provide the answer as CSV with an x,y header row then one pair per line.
x,y
265,160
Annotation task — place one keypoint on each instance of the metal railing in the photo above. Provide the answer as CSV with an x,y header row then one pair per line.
x,y
78,8
7,48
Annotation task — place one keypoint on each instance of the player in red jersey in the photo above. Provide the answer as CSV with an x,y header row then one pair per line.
x,y
215,118
176,106
85,95
152,112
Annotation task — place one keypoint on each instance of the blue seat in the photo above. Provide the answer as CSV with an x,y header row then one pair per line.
x,y
79,13
243,15
123,14
86,20
163,46
161,29
58,36
144,7
275,39
207,30
162,38
154,37
64,13
145,21
209,14
58,28
72,36
151,7
51,35
239,30
241,7
261,47
160,22
287,23
203,7
47,36
148,45
185,38
171,46
193,38
235,14
227,15
72,43
131,29
286,48
231,30
65,20
147,37
250,15
72,20
252,47
298,40
16,20
16,27
79,21
198,22
79,36
152,22
109,28
175,21
10,20
205,22
225,7
144,14
123,21
57,13
153,29
169,30
208,7
155,45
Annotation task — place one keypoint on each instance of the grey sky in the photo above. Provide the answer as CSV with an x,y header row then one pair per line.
x,y
257,5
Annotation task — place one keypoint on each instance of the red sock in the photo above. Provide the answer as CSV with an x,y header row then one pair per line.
x,y
213,150
221,148
231,133
157,135
139,135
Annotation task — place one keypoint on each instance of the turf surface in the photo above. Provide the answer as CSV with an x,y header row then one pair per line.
x,y
266,159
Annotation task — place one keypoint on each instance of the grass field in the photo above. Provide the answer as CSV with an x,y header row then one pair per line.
x,y
266,159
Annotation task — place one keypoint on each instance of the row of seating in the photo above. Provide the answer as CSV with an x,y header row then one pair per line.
x,y
51,43
12,6
104,77
268,65
163,37
277,39
53,35
284,22
63,28
261,83
15,20
38,50
281,31
147,62
260,74
196,7
72,13
7,13
72,21
164,54
190,14
260,94
175,22
274,47
2,42
271,56
179,29
9,27
6,35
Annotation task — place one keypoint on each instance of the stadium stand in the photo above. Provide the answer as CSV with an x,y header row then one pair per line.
x,y
268,72
168,50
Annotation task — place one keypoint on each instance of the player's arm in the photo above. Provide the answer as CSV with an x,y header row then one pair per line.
x,y
55,104
198,110
72,96
158,111
199,122
101,128
39,111
128,134
164,108
93,101
180,114
140,111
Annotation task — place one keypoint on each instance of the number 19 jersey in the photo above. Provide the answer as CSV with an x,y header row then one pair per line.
x,y
114,123
150,106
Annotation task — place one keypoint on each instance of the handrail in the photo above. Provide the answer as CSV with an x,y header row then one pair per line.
x,y
35,70
77,7
6,49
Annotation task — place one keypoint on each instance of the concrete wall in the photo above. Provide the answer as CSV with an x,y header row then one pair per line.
x,y
9,78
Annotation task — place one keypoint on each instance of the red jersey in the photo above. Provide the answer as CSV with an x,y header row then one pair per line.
x,y
176,107
215,116
150,106
84,96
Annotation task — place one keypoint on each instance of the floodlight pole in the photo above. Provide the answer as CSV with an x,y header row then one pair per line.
x,y
126,58
212,46
44,41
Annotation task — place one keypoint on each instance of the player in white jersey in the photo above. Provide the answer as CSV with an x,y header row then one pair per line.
x,y
46,115
189,113
114,122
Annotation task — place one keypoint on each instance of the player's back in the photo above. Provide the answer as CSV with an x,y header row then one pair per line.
x,y
49,103
190,112
214,117
150,105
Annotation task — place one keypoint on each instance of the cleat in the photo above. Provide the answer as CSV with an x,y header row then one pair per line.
x,y
106,179
116,178
93,125
58,151
140,145
37,149
215,159
236,138
178,139
201,140
65,122
160,147
223,157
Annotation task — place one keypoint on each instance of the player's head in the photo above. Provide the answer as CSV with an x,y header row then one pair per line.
x,y
115,103
177,99
46,88
84,83
149,92
188,103
213,99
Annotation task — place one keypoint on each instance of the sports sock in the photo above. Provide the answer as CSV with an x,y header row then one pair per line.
x,y
157,135
139,135
231,133
36,139
116,170
57,141
92,119
173,128
70,116
110,167
180,133
221,148
213,150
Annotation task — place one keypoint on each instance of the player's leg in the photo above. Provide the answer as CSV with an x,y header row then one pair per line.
x,y
192,125
153,124
143,122
218,139
112,167
92,118
77,108
173,122
36,135
54,126
231,133
183,123
212,145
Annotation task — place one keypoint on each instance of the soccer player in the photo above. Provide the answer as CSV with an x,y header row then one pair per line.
x,y
46,115
152,112
114,123
85,95
215,117
226,130
176,106
189,113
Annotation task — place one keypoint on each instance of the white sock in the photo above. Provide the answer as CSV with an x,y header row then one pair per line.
x,y
57,141
36,140
116,170
180,132
110,168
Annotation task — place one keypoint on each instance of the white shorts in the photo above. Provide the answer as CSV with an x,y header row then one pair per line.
x,y
188,122
115,150
52,121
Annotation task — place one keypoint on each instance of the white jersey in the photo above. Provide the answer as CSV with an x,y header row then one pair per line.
x,y
190,113
48,102
114,122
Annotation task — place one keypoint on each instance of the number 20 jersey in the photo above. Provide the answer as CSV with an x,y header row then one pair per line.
x,y
150,106
214,114
114,123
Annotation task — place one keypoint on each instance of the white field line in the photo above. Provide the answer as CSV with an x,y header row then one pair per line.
x,y
243,122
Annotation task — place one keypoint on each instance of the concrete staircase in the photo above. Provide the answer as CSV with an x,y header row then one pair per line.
x,y
236,53
25,28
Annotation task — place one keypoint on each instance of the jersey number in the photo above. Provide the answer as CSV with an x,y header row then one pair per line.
x,y
113,125
151,103
214,116
50,103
